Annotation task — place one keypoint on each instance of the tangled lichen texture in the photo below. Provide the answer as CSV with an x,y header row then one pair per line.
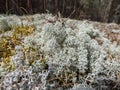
x,y
45,52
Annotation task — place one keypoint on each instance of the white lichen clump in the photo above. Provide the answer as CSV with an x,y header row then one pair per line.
x,y
59,52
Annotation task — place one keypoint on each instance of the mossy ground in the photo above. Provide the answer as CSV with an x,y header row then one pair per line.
x,y
56,53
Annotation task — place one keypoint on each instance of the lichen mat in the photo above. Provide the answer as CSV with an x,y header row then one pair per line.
x,y
42,52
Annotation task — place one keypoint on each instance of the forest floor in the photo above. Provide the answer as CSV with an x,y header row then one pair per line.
x,y
45,52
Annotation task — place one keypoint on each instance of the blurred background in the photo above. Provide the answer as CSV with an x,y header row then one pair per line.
x,y
95,10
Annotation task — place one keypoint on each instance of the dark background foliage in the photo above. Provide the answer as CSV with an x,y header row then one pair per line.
x,y
96,10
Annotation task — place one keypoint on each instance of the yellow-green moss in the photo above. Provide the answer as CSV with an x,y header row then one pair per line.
x,y
7,44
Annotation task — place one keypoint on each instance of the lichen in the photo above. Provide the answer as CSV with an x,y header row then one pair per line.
x,y
44,52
